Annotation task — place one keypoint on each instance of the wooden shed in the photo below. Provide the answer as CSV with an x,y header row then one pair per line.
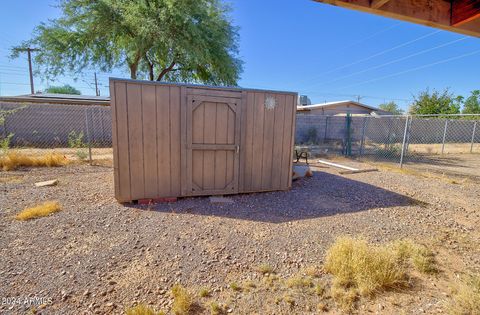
x,y
174,140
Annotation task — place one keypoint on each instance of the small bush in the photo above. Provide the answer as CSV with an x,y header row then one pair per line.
x,y
367,268
289,300
182,300
13,160
322,307
466,297
362,269
42,210
5,143
312,136
320,289
75,140
81,154
204,292
299,282
235,286
420,256
142,309
345,298
265,268
270,280
313,271
216,309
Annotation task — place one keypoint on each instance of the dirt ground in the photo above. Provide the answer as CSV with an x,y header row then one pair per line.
x,y
99,257
461,166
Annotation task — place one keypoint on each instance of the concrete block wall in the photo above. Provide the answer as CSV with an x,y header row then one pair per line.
x,y
48,125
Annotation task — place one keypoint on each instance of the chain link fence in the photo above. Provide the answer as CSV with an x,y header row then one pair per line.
x,y
448,143
81,132
442,142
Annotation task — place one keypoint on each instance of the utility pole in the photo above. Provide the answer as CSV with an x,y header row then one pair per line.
x,y
29,53
97,92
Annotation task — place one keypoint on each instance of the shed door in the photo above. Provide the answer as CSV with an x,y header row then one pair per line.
x,y
213,139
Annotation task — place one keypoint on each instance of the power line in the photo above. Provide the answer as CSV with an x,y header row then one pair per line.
x,y
374,55
413,69
12,73
14,83
367,37
363,96
390,62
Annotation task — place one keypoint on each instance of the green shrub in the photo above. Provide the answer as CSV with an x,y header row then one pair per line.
x,y
5,143
75,141
312,136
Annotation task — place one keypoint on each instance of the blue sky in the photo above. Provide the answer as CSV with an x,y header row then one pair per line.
x,y
325,52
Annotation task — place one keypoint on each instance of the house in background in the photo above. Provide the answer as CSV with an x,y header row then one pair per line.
x,y
340,108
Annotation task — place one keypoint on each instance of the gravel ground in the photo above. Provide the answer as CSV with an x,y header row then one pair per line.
x,y
99,257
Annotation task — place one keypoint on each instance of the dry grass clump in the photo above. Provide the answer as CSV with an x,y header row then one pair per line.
x,y
345,298
265,269
235,287
322,307
320,289
13,160
204,292
466,297
362,269
289,300
270,280
216,309
299,282
420,256
367,268
142,309
182,300
313,271
42,210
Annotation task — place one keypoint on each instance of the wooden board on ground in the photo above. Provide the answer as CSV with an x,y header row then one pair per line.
x,y
347,169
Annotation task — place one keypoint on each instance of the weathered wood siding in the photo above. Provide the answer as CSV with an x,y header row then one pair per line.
x,y
267,142
146,140
183,140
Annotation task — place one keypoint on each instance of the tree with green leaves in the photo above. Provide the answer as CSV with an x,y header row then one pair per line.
x,y
426,103
391,107
65,89
472,103
168,40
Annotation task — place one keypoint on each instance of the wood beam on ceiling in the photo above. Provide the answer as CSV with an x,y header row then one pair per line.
x,y
433,13
464,11
376,4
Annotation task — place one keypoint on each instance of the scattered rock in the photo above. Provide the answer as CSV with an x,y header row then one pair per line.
x,y
52,182
220,199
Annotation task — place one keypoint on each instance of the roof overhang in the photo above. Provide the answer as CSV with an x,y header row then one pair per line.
x,y
336,103
461,16
56,99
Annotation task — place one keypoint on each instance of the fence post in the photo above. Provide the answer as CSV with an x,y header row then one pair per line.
x,y
348,144
326,129
444,135
4,123
404,141
88,137
362,141
473,136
